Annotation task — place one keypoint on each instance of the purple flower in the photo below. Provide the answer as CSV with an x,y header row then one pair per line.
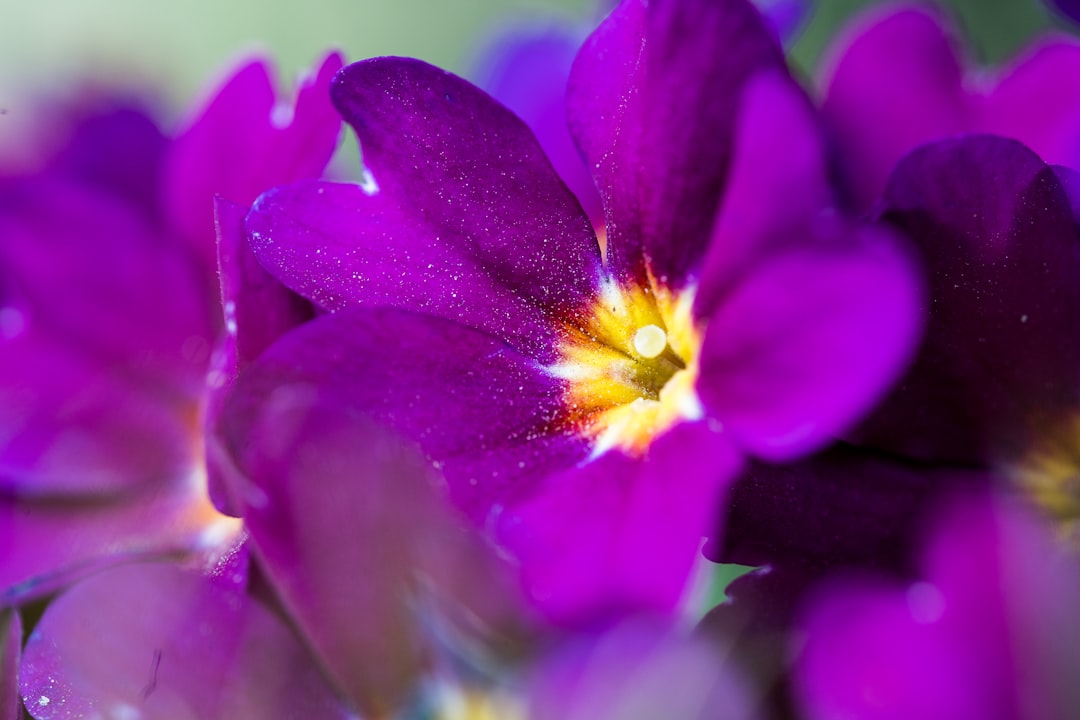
x,y
987,630
898,78
108,313
589,410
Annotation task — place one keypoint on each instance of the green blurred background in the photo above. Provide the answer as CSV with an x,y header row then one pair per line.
x,y
177,48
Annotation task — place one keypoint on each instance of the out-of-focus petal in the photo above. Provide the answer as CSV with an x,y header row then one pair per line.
x,y
619,533
527,72
153,640
1037,101
661,168
638,670
895,80
45,545
244,142
364,550
808,343
1000,357
487,414
1069,8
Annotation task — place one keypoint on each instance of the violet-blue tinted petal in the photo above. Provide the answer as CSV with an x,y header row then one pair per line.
x,y
1068,8
777,191
119,149
1070,183
620,533
844,505
244,142
895,82
363,548
639,670
153,640
527,72
809,342
786,16
48,544
652,103
487,414
10,652
1002,346
1038,101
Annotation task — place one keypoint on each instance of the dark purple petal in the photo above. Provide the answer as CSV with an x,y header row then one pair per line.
x,y
1038,101
809,342
1070,183
843,506
244,142
527,72
364,550
1002,349
620,533
489,416
895,82
652,101
1068,8
461,215
11,644
637,671
157,641
45,545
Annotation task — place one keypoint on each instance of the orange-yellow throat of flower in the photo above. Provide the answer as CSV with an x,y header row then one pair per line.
x,y
631,363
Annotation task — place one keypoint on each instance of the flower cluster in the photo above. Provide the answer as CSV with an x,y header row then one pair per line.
x,y
479,432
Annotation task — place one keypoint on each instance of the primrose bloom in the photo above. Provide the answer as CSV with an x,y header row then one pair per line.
x,y
109,311
986,630
589,409
898,78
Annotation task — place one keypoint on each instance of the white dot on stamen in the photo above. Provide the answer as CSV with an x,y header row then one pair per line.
x,y
650,341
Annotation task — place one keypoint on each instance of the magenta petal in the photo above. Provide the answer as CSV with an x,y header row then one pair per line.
x,y
45,545
777,191
487,414
652,104
240,145
620,533
809,342
158,641
897,83
639,670
1038,102
363,548
11,649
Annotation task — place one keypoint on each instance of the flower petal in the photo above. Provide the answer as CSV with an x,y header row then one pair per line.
x,y
153,640
1038,101
486,414
652,104
239,146
620,533
895,82
364,550
809,342
1002,347
461,215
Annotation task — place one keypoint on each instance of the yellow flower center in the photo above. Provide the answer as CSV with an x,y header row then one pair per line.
x,y
631,363
1050,476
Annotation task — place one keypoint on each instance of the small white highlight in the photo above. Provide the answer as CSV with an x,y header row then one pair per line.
x,y
43,701
650,341
368,183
